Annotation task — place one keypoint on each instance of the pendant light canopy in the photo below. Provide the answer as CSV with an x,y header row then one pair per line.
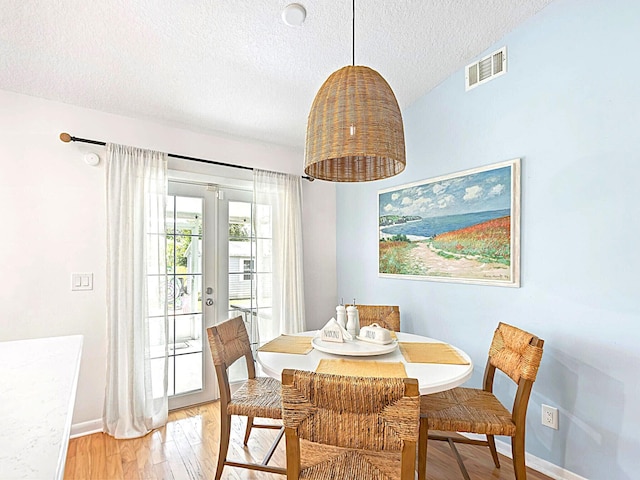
x,y
354,130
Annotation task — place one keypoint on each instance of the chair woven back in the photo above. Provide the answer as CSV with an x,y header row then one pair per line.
x,y
515,352
256,397
387,316
378,414
229,341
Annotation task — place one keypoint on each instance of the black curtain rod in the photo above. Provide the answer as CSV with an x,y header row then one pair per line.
x,y
65,137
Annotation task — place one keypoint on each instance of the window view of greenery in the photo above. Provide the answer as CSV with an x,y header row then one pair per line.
x,y
239,232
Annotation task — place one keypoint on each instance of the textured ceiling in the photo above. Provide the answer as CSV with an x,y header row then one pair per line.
x,y
234,66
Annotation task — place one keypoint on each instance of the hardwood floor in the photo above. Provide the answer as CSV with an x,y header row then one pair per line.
x,y
186,449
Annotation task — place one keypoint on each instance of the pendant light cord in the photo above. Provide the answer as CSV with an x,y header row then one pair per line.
x,y
353,33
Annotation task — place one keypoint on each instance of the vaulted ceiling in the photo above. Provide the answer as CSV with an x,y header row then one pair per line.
x,y
234,66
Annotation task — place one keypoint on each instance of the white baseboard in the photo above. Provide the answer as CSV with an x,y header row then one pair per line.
x,y
538,464
86,428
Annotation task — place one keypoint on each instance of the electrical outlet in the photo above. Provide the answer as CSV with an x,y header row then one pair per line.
x,y
549,416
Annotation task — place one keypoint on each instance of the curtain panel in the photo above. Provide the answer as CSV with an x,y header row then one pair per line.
x,y
278,229
136,391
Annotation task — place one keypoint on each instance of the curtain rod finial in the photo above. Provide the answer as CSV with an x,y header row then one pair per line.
x,y
65,137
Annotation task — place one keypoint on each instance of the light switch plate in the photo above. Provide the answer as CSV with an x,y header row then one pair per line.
x,y
82,281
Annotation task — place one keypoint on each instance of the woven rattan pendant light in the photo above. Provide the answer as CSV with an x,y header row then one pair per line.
x,y
354,130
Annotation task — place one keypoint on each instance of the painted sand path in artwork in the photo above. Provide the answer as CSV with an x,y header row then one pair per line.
x,y
459,268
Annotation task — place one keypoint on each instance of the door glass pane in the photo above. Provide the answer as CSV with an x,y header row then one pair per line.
x,y
249,272
264,286
241,275
241,264
184,293
188,372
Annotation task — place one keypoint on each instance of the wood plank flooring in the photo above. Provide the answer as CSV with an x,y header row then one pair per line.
x,y
186,449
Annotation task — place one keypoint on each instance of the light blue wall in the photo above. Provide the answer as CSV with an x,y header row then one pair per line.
x,y
569,106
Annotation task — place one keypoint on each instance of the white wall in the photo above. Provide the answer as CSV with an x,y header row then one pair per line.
x,y
52,222
570,107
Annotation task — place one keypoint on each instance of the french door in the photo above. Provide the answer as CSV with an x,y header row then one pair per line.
x,y
239,280
211,276
191,257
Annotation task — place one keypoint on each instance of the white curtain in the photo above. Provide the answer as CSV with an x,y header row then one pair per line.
x,y
279,274
136,392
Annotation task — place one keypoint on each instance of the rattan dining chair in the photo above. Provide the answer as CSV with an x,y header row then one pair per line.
x,y
517,354
341,428
387,316
257,397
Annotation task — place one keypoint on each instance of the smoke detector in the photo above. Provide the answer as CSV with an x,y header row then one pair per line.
x,y
294,15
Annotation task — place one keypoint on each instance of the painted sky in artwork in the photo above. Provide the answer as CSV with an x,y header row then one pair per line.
x,y
476,192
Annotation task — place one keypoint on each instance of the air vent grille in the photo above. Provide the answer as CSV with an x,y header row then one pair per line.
x,y
486,69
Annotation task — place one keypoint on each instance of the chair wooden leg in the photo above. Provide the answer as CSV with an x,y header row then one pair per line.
x,y
423,437
225,432
456,454
248,430
494,453
517,452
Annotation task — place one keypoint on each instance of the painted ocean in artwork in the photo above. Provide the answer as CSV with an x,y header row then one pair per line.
x,y
429,227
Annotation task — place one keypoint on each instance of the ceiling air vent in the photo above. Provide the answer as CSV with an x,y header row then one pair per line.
x,y
486,69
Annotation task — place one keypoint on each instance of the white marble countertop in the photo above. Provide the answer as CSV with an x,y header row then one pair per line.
x,y
38,380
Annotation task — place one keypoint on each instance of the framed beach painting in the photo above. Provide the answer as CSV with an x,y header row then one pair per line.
x,y
463,227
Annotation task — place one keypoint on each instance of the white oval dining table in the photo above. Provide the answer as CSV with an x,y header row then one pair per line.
x,y
432,377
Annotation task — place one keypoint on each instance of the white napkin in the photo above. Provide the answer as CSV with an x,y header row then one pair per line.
x,y
334,332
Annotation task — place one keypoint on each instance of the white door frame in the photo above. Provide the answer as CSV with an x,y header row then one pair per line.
x,y
209,246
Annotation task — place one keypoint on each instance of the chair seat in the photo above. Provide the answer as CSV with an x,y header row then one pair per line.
x,y
327,462
467,410
258,397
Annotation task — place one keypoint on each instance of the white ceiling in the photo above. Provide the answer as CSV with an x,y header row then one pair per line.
x,y
234,66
